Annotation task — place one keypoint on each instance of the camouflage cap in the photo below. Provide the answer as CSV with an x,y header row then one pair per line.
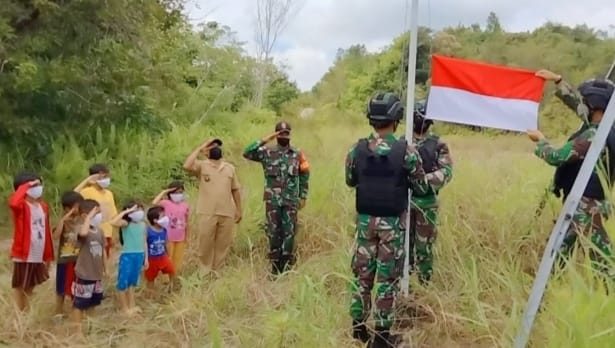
x,y
283,127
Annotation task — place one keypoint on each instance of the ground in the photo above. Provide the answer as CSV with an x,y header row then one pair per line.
x,y
487,251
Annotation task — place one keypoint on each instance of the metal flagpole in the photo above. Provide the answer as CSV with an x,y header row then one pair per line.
x,y
405,285
563,222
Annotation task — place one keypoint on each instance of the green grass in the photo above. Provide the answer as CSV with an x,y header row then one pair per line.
x,y
488,248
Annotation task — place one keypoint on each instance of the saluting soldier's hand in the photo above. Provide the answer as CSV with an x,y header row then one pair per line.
x,y
270,137
535,135
548,75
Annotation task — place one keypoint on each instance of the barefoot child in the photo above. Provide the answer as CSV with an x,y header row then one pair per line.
x,y
156,242
32,248
173,201
133,258
90,267
66,232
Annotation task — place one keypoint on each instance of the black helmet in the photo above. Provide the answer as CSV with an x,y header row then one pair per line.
x,y
420,123
596,93
385,107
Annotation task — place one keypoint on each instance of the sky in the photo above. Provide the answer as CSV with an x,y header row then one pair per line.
x,y
319,27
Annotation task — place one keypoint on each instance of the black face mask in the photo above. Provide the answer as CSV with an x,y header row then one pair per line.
x,y
215,153
283,141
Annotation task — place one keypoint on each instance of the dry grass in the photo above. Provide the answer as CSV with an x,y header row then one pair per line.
x,y
487,250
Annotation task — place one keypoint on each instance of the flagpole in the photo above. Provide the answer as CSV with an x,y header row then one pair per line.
x,y
405,285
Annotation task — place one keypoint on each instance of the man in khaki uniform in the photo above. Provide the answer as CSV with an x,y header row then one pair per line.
x,y
219,203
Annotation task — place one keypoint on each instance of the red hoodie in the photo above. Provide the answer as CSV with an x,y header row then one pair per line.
x,y
22,226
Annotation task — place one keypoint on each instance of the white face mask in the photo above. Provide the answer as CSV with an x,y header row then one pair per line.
x,y
163,221
137,216
177,197
104,183
35,192
96,220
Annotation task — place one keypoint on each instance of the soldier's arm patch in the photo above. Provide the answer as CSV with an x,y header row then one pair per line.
x,y
304,165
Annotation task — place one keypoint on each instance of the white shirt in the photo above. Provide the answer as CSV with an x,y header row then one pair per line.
x,y
37,238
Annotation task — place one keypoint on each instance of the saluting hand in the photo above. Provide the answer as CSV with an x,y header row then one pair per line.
x,y
548,75
535,135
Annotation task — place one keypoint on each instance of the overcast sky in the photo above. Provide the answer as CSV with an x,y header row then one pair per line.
x,y
309,43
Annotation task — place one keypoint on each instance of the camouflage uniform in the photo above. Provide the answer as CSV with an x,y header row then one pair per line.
x,y
287,173
424,213
379,251
589,215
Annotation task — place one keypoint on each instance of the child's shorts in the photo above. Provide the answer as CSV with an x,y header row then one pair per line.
x,y
159,264
65,276
87,293
129,270
27,275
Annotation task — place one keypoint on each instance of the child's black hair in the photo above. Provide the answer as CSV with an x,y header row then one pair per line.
x,y
98,168
153,214
131,203
86,206
70,198
177,184
25,177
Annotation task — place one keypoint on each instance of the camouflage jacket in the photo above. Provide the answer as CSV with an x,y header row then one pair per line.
x,y
436,179
286,170
412,163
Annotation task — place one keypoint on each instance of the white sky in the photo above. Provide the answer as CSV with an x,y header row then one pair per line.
x,y
309,43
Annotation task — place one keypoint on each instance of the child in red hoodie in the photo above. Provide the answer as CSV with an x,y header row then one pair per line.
x,y
32,248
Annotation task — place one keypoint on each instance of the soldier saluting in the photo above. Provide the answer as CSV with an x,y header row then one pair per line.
x,y
287,173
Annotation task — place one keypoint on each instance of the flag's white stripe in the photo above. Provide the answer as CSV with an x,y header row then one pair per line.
x,y
460,106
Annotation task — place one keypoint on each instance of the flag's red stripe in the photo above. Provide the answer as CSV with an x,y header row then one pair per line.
x,y
486,79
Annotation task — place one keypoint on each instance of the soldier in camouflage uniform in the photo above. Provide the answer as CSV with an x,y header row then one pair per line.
x,y
590,102
287,173
438,167
382,169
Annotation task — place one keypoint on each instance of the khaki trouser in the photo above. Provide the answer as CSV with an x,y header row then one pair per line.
x,y
215,237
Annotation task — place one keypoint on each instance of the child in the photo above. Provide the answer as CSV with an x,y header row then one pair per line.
x,y
90,267
96,187
178,212
32,248
67,234
156,243
133,257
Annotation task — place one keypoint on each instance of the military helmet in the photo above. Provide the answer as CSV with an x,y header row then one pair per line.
x,y
385,107
596,93
420,123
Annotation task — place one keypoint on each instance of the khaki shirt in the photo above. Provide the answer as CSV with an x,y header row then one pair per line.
x,y
217,181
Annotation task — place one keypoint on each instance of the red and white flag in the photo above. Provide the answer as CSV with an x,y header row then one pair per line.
x,y
485,95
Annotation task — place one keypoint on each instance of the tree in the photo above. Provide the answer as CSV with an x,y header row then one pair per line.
x,y
493,23
271,19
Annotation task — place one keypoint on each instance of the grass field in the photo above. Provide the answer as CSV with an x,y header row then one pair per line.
x,y
488,248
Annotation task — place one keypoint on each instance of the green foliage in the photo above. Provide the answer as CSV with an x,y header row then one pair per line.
x,y
576,52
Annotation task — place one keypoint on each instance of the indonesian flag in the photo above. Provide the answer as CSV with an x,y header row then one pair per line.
x,y
486,95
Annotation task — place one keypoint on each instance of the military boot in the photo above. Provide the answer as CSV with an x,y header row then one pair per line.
x,y
384,339
359,331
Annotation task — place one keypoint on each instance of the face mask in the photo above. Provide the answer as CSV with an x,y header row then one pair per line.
x,y
104,183
177,197
35,192
96,220
215,153
136,216
283,141
163,221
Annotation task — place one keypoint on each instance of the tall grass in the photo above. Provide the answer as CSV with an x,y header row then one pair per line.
x,y
488,248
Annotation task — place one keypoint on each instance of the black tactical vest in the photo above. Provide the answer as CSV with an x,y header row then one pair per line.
x,y
429,154
566,174
382,185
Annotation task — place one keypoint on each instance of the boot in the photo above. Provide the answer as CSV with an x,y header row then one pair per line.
x,y
359,331
384,339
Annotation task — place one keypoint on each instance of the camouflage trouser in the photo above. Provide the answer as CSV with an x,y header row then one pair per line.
x,y
281,228
587,220
423,232
379,254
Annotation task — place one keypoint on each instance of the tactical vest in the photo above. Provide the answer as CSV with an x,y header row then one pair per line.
x,y
429,154
566,174
382,185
